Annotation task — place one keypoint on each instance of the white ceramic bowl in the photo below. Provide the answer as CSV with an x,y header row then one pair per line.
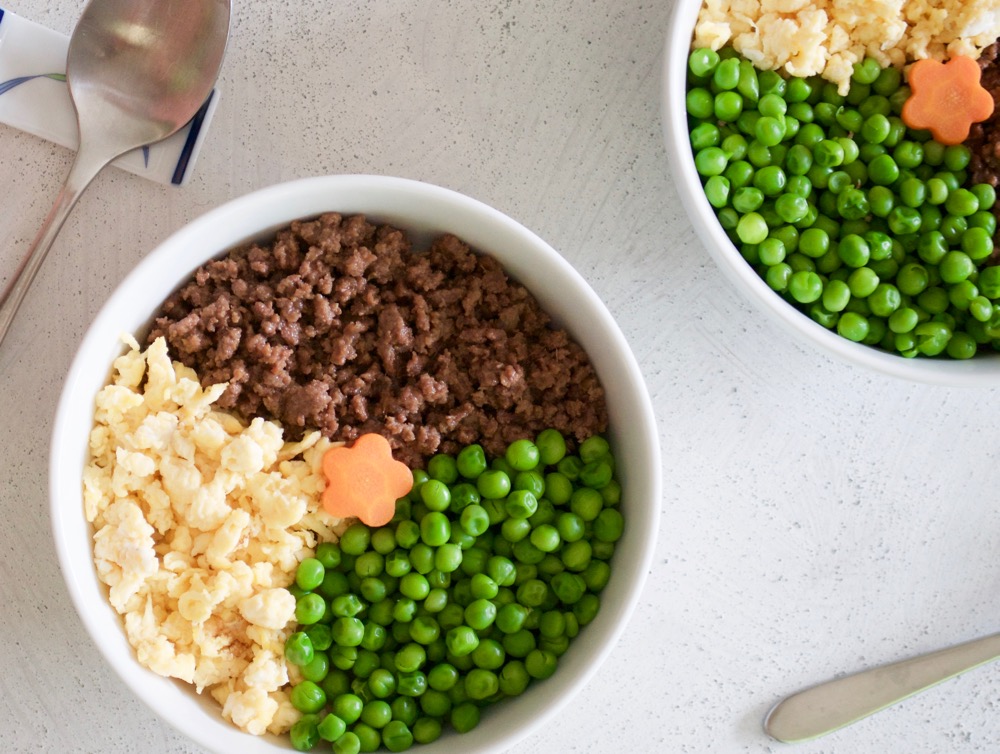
x,y
424,210
982,370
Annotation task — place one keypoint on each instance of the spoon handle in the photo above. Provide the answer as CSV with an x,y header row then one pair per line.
x,y
86,166
824,708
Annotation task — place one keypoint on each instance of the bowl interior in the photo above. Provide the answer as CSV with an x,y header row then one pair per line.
x,y
982,371
425,211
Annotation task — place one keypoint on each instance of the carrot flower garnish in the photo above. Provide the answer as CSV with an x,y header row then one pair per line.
x,y
947,98
364,480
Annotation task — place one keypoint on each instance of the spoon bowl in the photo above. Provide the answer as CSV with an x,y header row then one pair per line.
x,y
137,71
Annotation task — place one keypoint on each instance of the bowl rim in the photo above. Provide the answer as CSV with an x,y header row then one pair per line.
x,y
981,371
188,243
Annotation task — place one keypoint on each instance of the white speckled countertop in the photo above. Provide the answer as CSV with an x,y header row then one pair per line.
x,y
815,520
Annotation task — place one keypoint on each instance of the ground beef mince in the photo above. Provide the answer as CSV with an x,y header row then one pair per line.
x,y
984,138
338,325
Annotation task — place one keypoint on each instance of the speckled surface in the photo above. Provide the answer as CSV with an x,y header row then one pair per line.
x,y
816,519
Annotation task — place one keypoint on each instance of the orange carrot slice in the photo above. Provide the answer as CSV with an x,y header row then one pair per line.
x,y
946,98
364,480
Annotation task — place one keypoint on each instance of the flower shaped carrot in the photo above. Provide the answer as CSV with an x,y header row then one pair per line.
x,y
364,480
946,98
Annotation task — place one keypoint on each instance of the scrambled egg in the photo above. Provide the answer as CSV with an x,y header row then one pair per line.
x,y
200,523
826,37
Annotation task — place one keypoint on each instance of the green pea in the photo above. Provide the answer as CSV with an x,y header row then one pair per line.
x,y
747,121
953,227
805,286
461,640
309,608
875,128
751,228
852,204
932,247
908,154
983,219
814,242
396,736
703,61
828,153
836,296
888,81
937,191
930,217
739,173
426,730
759,155
883,170
771,83
933,153
771,251
609,525
299,649
867,71
980,308
989,281
551,446
465,716
962,294
933,299
304,733
852,326
875,104
885,300
798,160
950,180
932,337
778,275
962,203
853,250
727,106
904,220
307,697
985,194
493,484
849,119
355,539
522,455
726,74
481,684
913,192
747,199
903,320
957,157
800,111
471,461
770,180
309,575
369,564
328,553
961,346
897,129
862,282
748,85
810,135
956,266
331,728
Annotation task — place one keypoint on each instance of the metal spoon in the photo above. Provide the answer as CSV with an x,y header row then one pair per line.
x,y
138,71
832,705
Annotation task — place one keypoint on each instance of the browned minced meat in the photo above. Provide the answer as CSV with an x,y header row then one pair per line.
x,y
340,326
984,138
